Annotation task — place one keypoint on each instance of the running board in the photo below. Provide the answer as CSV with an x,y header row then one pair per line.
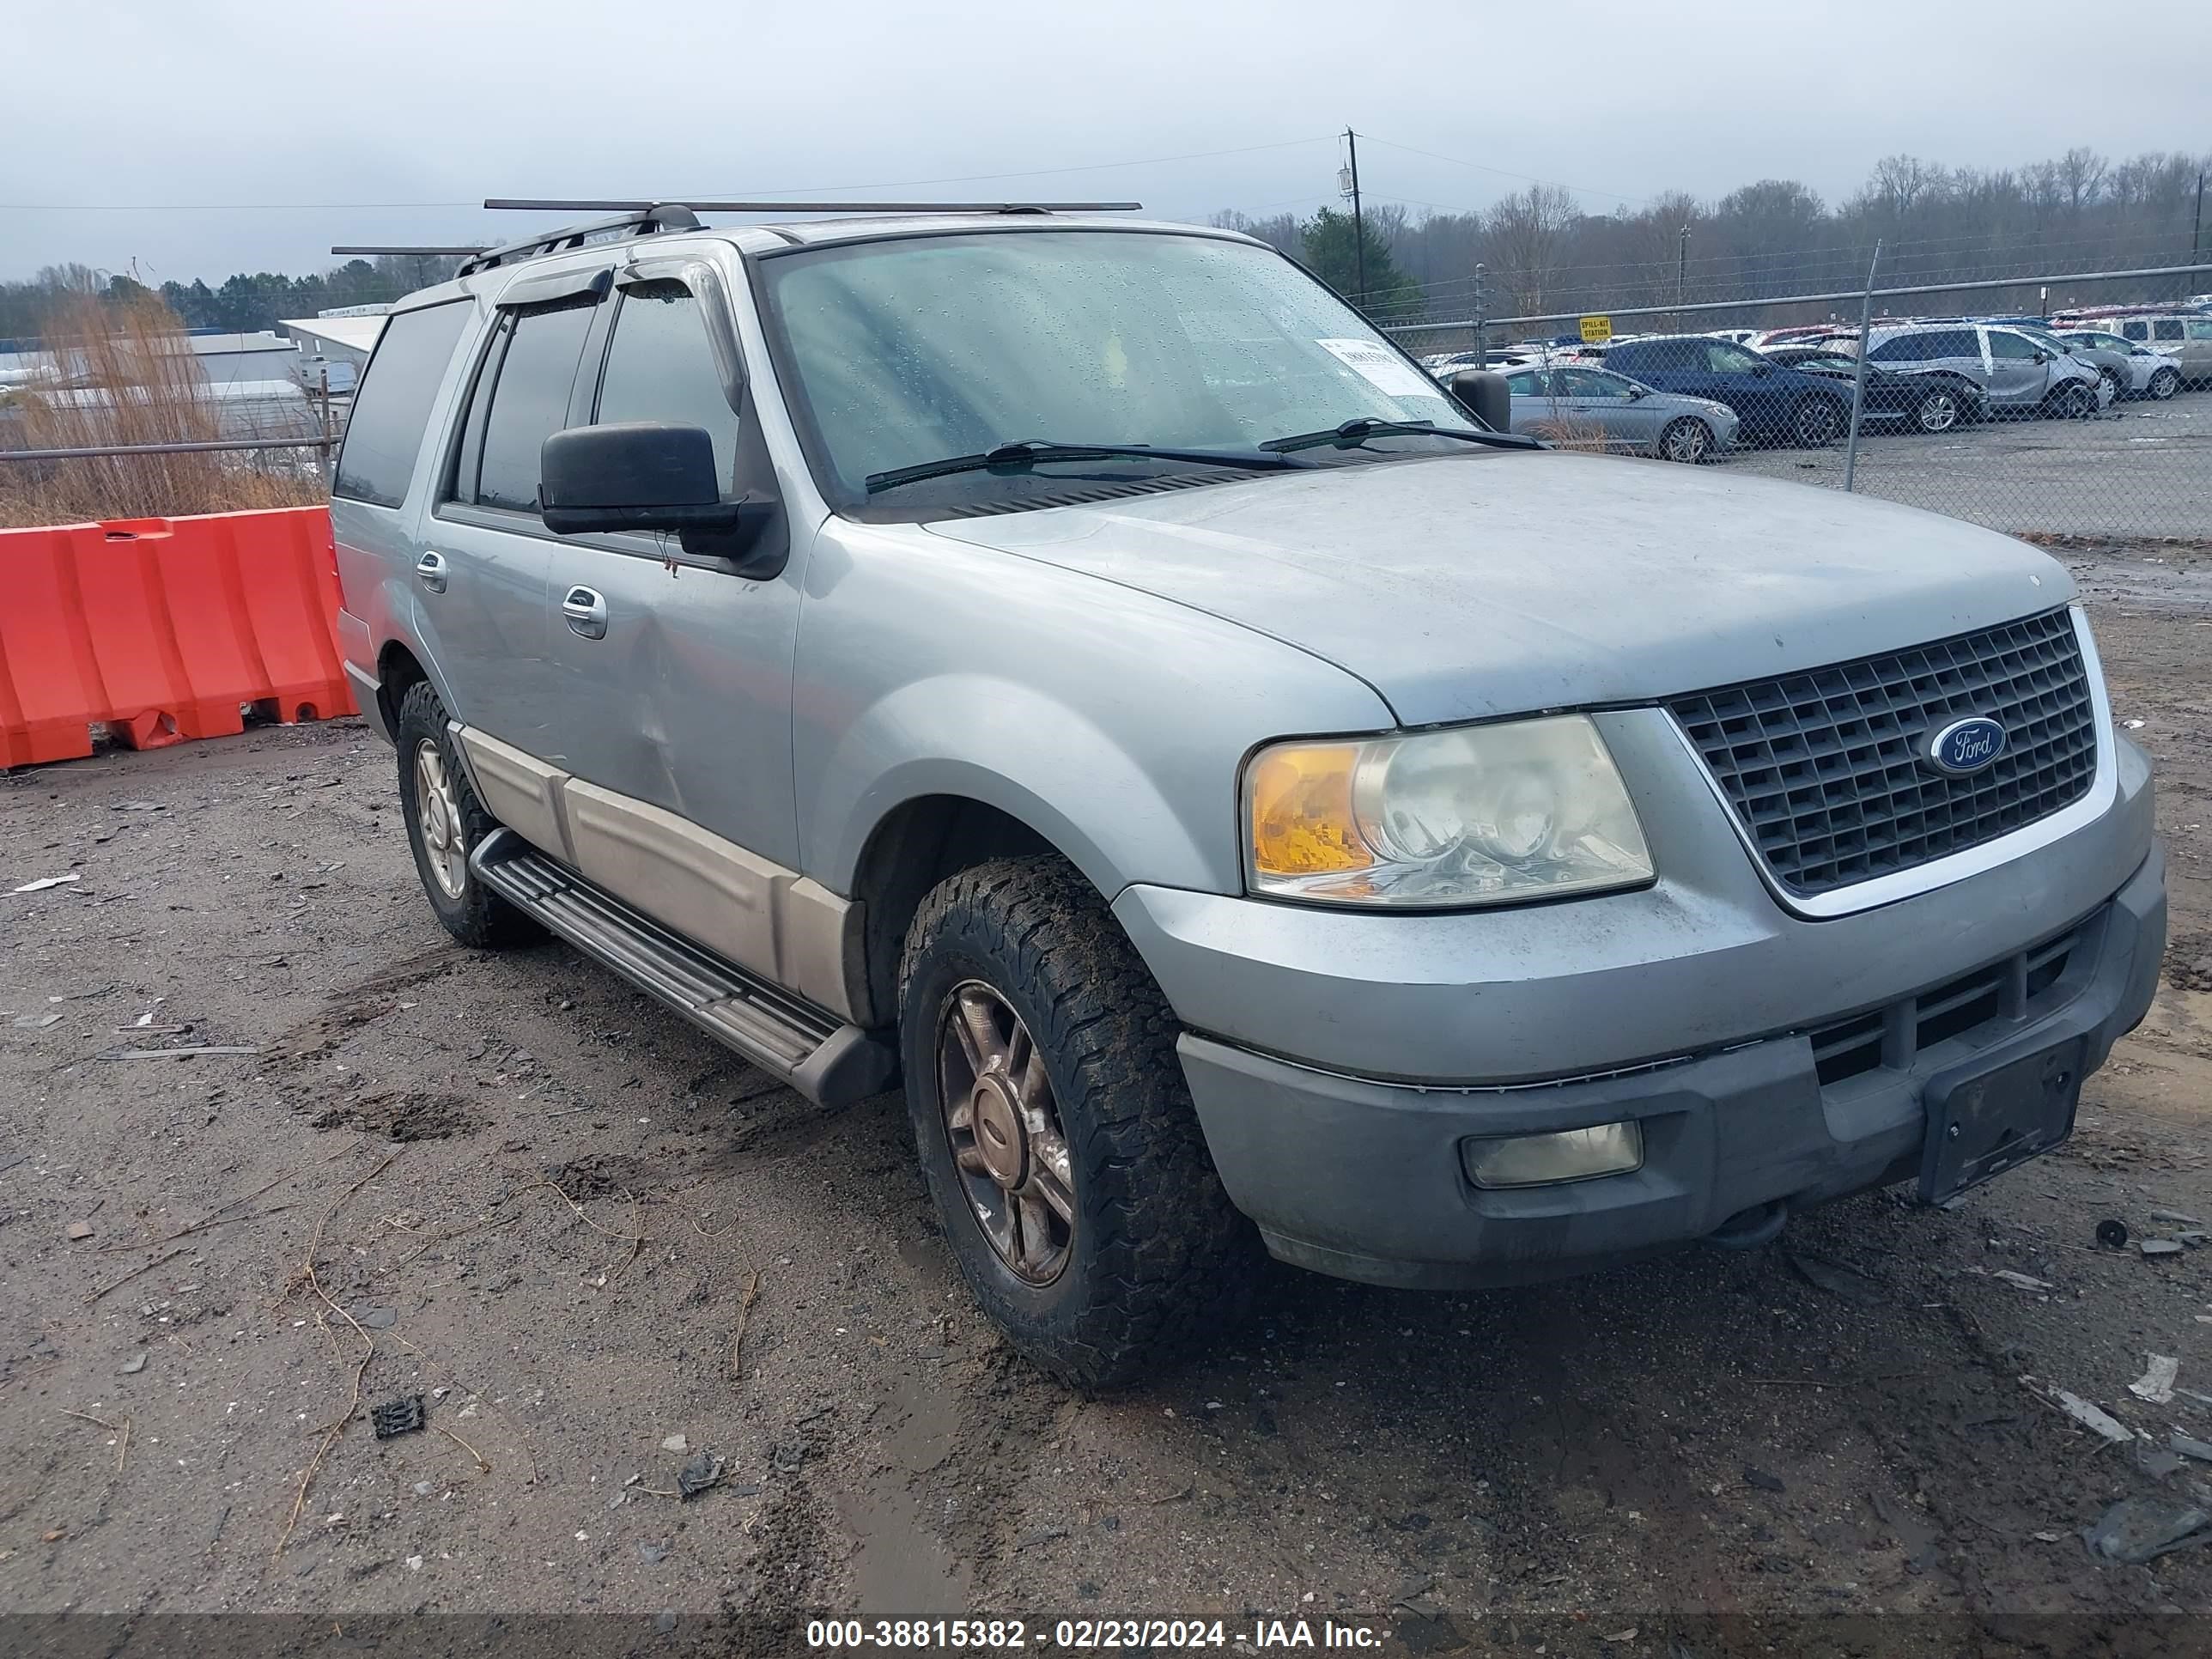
x,y
827,1060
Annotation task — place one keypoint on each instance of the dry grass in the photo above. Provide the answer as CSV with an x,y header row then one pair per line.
x,y
1563,431
156,393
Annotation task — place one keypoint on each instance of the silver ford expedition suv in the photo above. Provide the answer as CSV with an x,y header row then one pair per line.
x,y
1079,669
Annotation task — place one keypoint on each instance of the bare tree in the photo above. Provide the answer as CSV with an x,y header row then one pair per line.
x,y
1528,232
2082,173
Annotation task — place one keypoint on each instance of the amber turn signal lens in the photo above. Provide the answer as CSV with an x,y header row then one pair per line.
x,y
1302,821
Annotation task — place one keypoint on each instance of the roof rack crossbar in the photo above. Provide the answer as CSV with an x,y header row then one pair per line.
x,y
464,252
633,219
544,205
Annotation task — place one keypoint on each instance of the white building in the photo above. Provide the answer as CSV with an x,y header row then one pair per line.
x,y
339,344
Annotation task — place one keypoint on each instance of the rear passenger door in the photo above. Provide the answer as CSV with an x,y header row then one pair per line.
x,y
674,673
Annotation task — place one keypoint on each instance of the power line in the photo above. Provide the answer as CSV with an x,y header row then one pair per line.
x,y
784,190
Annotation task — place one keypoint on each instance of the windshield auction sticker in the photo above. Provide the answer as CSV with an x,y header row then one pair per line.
x,y
1381,369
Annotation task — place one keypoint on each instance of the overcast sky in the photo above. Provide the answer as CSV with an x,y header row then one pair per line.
x,y
194,140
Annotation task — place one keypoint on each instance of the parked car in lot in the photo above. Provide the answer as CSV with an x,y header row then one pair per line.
x,y
1567,401
1082,671
1926,403
1774,405
2184,340
2149,374
2017,375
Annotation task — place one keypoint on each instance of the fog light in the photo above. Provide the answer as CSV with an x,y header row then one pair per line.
x,y
1568,1155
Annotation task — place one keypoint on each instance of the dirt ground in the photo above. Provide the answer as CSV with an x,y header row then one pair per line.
x,y
513,1185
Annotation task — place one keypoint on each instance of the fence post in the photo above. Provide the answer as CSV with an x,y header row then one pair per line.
x,y
1858,375
330,450
1481,345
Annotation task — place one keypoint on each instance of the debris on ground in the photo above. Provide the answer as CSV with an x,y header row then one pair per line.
x,y
1763,1480
676,1443
36,1022
77,1230
2022,1281
702,1471
1837,1278
652,1554
190,1049
2159,1246
2139,1529
45,882
400,1415
133,1365
2189,1446
2157,1383
2112,1233
2174,1218
2092,1417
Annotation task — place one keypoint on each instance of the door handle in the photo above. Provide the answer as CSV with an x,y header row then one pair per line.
x,y
586,610
430,570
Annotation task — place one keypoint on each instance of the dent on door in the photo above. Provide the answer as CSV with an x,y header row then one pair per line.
x,y
775,921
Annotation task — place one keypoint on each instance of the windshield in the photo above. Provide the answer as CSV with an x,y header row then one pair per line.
x,y
914,350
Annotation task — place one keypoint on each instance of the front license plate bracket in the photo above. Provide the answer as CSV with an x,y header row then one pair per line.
x,y
1982,1123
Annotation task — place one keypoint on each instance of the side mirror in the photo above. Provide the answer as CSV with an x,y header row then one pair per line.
x,y
645,475
630,475
1636,391
1485,395
2042,356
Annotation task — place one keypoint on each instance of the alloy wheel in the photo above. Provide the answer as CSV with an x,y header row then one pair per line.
x,y
438,815
1938,412
1009,1148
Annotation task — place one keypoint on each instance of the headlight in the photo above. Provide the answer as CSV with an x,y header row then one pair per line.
x,y
1483,815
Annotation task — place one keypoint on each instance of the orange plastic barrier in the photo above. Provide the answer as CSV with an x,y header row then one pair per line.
x,y
165,630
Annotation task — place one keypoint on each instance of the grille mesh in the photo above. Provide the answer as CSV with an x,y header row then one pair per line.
x,y
1824,768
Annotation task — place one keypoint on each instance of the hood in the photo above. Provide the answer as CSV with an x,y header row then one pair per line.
x,y
1499,582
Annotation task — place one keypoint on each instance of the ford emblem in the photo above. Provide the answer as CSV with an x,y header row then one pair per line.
x,y
1967,746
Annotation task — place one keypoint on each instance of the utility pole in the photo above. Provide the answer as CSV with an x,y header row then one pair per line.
x,y
1349,182
2197,233
1682,273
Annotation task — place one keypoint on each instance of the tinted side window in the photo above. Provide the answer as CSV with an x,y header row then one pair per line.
x,y
1905,348
1522,384
2006,345
392,408
2134,331
2165,328
529,403
660,367
2201,330
1952,343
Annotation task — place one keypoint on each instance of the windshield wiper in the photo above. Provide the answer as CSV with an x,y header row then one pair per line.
x,y
1026,452
1358,431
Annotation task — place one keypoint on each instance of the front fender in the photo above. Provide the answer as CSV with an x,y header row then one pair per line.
x,y
1031,755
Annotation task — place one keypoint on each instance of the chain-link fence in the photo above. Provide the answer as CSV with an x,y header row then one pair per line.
x,y
2088,415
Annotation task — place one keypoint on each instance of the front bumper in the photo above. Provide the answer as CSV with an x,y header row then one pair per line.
x,y
1362,1179
1337,1058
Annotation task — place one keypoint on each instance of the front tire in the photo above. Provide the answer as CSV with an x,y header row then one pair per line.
x,y
2163,383
1688,440
1055,1130
2074,402
1817,423
444,821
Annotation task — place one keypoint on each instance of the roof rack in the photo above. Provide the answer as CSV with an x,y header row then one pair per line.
x,y
635,219
544,205
467,252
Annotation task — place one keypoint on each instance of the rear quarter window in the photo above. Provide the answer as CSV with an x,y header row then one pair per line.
x,y
392,410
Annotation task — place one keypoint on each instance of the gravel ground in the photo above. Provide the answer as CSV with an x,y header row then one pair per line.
x,y
2141,469
511,1184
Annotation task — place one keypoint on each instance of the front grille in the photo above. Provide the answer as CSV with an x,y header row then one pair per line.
x,y
1824,767
1895,1036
